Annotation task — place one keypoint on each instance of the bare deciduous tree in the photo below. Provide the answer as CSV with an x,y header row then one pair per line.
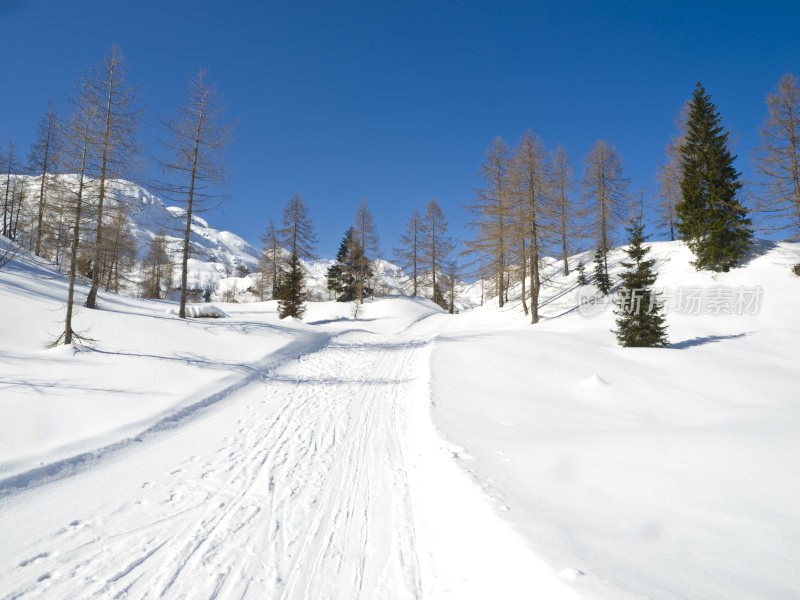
x,y
493,211
75,194
778,158
367,235
669,179
42,162
115,123
566,211
195,158
436,248
10,167
605,190
156,268
297,230
269,262
410,250
533,186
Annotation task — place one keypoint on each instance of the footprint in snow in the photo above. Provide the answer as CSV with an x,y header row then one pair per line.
x,y
33,559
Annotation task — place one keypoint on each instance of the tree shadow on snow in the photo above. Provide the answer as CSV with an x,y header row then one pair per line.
x,y
757,249
709,339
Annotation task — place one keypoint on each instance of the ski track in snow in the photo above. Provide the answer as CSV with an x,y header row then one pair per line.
x,y
304,496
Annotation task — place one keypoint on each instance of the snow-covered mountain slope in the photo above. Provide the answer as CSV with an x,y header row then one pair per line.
x,y
217,257
251,457
215,254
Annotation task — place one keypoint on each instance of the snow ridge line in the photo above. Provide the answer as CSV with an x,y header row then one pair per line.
x,y
71,465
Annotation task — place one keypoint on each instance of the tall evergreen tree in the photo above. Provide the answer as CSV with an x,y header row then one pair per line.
x,y
711,220
640,322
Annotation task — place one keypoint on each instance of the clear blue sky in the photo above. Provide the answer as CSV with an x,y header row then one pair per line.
x,y
396,102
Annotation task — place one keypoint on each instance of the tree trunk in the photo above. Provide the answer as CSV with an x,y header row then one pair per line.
x,y
68,333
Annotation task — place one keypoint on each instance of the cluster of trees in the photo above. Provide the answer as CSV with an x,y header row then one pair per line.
x,y
280,267
427,255
527,208
57,205
351,277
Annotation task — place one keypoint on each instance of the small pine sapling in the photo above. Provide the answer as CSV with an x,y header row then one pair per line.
x,y
640,322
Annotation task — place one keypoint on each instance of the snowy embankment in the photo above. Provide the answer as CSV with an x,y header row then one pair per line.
x,y
140,368
659,473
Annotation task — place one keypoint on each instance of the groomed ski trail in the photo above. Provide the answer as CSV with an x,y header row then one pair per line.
x,y
296,489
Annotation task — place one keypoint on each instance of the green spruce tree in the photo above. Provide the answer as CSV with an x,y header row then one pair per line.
x,y
601,279
640,322
291,290
344,275
581,274
711,220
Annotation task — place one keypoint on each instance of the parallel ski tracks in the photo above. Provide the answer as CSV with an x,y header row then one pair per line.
x,y
305,497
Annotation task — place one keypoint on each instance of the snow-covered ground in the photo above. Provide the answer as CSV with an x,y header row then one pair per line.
x,y
401,452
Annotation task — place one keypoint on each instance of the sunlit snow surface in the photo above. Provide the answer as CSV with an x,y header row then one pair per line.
x,y
400,452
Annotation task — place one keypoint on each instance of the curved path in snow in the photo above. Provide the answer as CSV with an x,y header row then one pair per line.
x,y
326,480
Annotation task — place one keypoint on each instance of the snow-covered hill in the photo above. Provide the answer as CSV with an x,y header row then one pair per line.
x,y
221,262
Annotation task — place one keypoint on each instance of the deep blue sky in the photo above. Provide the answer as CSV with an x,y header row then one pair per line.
x,y
396,102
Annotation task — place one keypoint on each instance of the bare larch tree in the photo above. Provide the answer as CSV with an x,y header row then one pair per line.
x,y
75,194
410,250
436,249
367,235
778,158
115,123
42,162
567,213
195,167
533,189
605,191
492,210
269,261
